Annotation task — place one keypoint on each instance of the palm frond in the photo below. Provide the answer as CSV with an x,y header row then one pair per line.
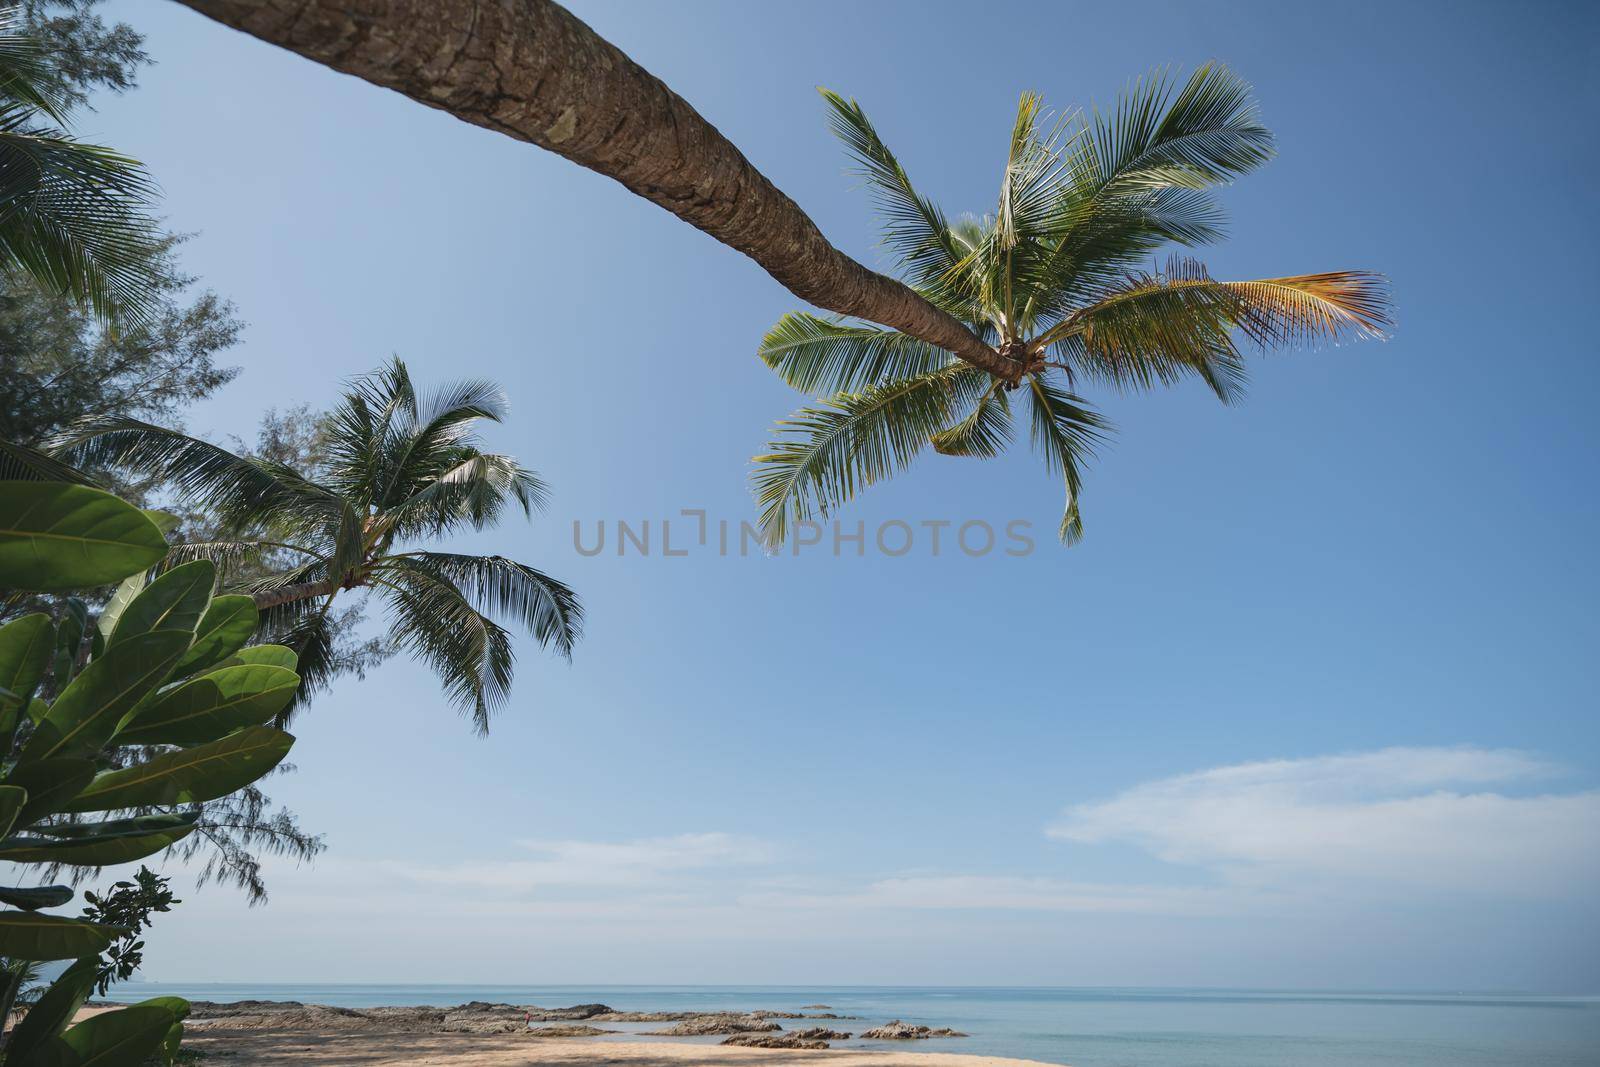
x,y
233,555
418,449
1064,431
471,654
471,491
914,228
827,356
547,608
824,454
1209,133
23,464
240,491
1037,161
76,218
1157,327
984,433
25,72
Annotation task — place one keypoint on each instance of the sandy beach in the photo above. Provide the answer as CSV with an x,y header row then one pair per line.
x,y
271,1048
268,1034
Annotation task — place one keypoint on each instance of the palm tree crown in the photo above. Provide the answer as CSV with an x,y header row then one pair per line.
x,y
73,216
398,470
1057,280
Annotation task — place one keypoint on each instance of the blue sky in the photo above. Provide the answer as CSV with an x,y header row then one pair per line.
x,y
1312,705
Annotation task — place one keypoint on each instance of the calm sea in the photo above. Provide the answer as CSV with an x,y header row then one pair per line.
x,y
1090,1027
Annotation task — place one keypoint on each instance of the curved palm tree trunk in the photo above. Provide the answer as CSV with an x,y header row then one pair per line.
x,y
533,71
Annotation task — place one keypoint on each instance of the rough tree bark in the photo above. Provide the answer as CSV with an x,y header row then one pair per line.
x,y
530,69
283,595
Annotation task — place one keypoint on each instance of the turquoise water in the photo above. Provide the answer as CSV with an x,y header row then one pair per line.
x,y
1090,1027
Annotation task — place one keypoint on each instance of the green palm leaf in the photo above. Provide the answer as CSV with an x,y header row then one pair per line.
x,y
1064,432
854,440
433,619
827,356
913,226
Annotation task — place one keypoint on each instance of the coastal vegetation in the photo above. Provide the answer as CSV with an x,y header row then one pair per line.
x,y
114,733
63,360
1050,289
395,468
1056,279
74,217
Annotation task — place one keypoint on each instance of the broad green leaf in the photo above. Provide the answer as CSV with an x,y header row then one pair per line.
x,y
25,653
197,774
211,706
26,935
91,852
32,898
55,537
228,623
133,827
12,799
130,587
179,1007
165,521
50,784
171,1043
272,655
86,714
53,1011
175,601
123,1038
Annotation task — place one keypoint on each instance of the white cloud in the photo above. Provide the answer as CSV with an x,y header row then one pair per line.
x,y
1424,817
637,864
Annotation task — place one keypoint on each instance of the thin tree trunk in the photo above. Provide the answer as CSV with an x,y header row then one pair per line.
x,y
533,71
271,598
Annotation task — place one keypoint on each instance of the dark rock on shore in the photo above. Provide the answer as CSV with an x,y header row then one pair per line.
x,y
819,1033
720,1023
774,1041
899,1031
576,1013
569,1030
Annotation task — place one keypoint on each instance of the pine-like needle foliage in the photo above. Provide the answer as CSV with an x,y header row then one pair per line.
x,y
1060,280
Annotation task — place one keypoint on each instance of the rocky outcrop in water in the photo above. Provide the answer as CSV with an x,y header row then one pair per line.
x,y
569,1030
719,1023
818,1033
774,1041
576,1013
899,1031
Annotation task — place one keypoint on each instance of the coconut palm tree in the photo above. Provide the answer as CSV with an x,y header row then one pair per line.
x,y
1058,280
398,471
73,216
534,71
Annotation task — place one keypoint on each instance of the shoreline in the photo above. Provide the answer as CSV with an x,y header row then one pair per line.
x,y
274,1048
261,1033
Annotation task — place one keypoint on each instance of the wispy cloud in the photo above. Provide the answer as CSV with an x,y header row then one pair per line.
x,y
1446,818
963,892
639,864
